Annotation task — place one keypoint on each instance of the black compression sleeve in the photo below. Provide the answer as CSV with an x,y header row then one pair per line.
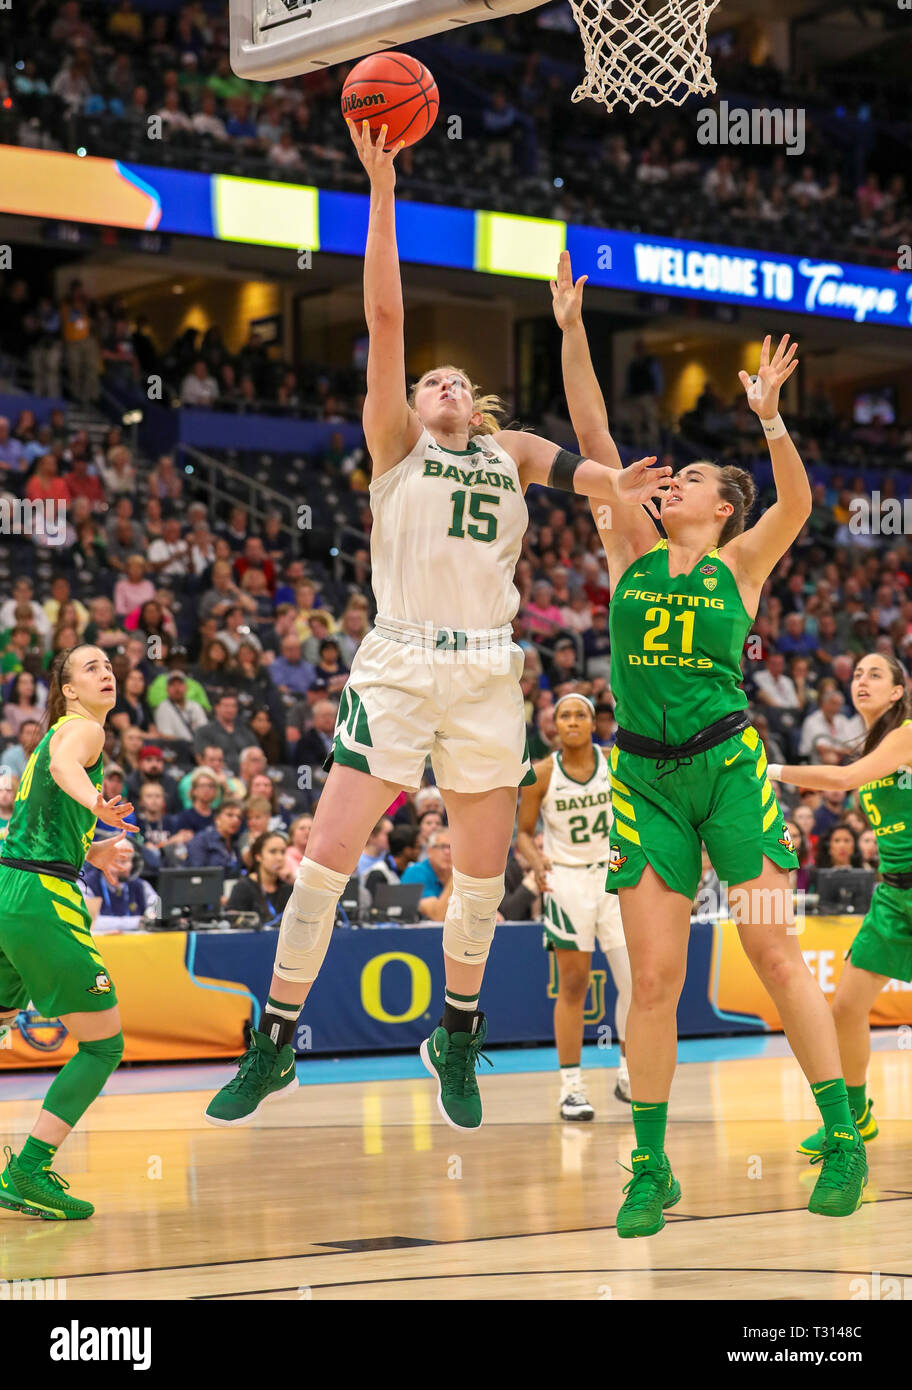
x,y
562,470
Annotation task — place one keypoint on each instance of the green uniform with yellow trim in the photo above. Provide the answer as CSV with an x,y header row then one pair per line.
x,y
47,954
676,649
884,941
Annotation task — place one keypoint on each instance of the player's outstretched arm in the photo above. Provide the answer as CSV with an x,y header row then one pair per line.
x,y
894,751
756,552
74,748
588,414
391,429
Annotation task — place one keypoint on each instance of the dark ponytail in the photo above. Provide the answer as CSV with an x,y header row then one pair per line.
x,y
895,714
56,700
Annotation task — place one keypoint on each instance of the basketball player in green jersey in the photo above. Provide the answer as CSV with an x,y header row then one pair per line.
x,y
882,950
47,954
688,767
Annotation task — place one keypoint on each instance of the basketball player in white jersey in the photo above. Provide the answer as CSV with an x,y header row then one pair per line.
x,y
438,675
572,795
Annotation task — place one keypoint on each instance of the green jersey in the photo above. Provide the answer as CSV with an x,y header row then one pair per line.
x,y
888,806
47,825
676,646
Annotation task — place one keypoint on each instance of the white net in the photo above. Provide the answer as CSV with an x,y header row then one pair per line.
x,y
637,51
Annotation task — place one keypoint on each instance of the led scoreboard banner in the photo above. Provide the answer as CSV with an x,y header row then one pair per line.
x,y
158,202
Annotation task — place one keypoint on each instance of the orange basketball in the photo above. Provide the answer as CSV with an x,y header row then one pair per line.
x,y
395,90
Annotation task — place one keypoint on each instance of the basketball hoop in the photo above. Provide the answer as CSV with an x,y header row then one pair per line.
x,y
636,56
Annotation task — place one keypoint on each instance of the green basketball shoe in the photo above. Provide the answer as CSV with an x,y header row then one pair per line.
x,y
652,1188
843,1176
452,1059
40,1193
867,1128
264,1073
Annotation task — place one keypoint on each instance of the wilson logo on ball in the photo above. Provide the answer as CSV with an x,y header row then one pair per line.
x,y
356,103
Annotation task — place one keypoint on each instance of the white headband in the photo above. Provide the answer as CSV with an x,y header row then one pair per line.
x,y
574,696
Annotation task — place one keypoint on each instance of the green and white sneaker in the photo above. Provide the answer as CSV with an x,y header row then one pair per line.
x,y
867,1128
844,1175
40,1193
264,1073
652,1188
452,1059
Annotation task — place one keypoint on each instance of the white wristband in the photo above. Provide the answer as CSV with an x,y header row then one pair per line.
x,y
774,429
774,771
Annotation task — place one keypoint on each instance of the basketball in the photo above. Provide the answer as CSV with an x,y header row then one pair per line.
x,y
395,90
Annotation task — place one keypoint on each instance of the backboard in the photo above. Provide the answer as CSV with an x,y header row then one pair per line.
x,y
271,39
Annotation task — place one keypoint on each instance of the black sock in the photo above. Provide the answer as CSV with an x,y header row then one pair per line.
x,y
459,1020
278,1021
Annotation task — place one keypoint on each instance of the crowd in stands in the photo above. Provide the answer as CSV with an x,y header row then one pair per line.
x,y
84,346
156,88
230,654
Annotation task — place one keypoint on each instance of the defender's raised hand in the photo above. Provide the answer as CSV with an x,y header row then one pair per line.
x,y
763,393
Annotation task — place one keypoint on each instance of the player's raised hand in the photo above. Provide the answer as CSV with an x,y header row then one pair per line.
x,y
376,160
642,481
763,390
112,855
114,813
567,297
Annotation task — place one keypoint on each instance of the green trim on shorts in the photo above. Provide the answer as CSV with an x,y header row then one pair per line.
x,y
550,942
345,756
883,944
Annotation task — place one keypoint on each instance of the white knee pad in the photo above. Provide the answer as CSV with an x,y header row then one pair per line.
x,y
468,927
307,922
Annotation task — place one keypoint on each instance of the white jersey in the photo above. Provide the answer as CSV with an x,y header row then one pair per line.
x,y
576,816
447,533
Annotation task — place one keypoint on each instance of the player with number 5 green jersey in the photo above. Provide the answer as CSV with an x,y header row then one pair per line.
x,y
689,770
882,949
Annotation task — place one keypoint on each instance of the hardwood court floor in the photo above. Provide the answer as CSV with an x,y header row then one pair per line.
x,y
360,1191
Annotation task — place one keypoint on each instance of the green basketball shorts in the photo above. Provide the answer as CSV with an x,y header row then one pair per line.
x,y
884,941
721,797
47,954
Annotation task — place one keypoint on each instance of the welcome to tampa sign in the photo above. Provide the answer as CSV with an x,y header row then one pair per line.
x,y
816,285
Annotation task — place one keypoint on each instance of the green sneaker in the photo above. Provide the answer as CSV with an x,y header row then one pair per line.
x,y
40,1193
652,1188
867,1128
843,1177
264,1073
452,1059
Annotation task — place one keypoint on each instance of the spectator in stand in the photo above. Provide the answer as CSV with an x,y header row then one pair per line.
x,y
264,890
542,615
12,451
25,701
216,845
269,736
164,482
61,595
435,874
644,386
131,710
23,592
226,730
45,484
829,735
795,640
284,154
199,388
15,755
565,663
133,589
121,907
299,834
81,482
597,645
79,347
178,717
316,744
774,687
169,557
204,794
102,629
118,473
354,626
289,673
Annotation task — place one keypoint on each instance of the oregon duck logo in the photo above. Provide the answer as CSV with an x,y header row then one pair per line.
x,y
616,861
786,839
102,984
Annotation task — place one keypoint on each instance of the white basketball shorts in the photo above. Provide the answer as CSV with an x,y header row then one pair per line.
x,y
578,912
454,696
